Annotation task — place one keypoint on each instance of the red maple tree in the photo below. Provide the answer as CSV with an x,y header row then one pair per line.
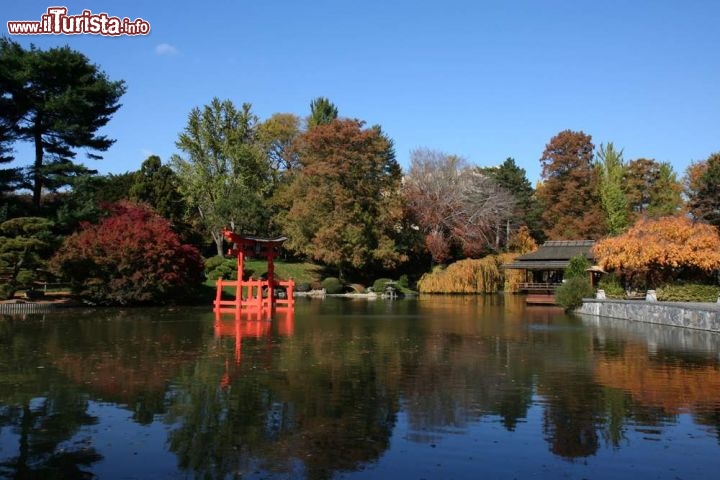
x,y
132,256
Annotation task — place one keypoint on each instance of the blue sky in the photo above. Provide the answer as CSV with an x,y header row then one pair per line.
x,y
485,80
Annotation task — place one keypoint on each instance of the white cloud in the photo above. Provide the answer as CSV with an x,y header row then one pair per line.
x,y
166,49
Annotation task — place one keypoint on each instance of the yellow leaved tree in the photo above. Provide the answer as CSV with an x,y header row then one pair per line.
x,y
662,249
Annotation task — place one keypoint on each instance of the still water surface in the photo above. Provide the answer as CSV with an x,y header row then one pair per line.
x,y
438,387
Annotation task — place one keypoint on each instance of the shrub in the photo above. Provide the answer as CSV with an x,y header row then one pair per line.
x,y
577,267
26,277
302,287
403,282
216,267
569,295
24,242
7,290
688,292
212,263
332,285
380,284
611,285
130,257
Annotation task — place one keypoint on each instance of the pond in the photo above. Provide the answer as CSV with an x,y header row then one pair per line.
x,y
435,387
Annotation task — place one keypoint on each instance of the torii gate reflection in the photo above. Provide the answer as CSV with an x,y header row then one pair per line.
x,y
256,323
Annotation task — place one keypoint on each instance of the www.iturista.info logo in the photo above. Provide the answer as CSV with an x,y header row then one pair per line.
x,y
57,22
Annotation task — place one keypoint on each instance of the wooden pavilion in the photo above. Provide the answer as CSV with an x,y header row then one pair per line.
x,y
544,268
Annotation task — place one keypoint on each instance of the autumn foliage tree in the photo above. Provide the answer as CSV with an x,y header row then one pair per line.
x,y
693,178
568,194
341,206
132,256
522,242
662,249
277,135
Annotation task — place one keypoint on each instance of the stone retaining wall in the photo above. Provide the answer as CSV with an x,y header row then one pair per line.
x,y
701,316
24,308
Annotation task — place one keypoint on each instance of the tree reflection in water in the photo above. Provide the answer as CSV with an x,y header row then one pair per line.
x,y
42,425
43,430
275,414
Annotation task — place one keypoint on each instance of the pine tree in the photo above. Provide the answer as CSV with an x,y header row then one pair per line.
x,y
57,100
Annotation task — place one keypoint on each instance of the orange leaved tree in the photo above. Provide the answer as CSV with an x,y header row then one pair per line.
x,y
662,249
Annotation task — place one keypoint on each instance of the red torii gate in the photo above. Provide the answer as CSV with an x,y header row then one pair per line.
x,y
249,293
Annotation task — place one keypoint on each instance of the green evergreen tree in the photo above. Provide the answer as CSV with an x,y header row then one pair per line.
x,y
322,112
514,179
10,178
666,194
651,189
158,186
704,200
57,100
613,198
84,201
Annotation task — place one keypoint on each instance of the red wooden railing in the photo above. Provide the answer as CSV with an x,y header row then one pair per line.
x,y
539,286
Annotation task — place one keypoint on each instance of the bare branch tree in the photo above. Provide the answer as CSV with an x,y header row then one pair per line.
x,y
455,204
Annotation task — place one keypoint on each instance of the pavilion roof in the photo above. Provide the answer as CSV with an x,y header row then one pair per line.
x,y
553,255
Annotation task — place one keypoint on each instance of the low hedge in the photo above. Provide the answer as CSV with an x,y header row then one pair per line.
x,y
380,284
332,285
611,285
688,292
216,267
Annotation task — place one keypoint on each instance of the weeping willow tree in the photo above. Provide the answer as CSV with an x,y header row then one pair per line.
x,y
513,277
483,275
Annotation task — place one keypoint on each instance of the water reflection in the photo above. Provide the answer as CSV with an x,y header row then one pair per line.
x,y
666,369
315,402
343,387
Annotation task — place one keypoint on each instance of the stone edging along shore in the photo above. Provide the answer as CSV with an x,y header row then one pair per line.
x,y
21,308
700,316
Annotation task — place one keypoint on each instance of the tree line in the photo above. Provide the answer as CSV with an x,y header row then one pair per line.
x,y
331,184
